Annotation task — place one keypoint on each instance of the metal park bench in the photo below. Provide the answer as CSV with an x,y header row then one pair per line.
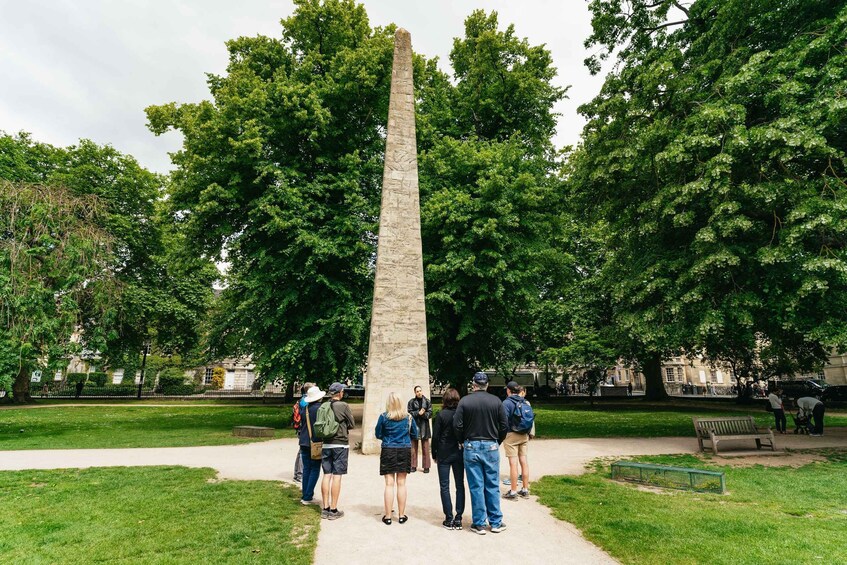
x,y
735,428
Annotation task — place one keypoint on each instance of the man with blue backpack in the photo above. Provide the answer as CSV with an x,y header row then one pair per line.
x,y
521,421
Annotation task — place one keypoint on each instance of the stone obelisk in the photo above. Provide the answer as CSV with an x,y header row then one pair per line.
x,y
397,354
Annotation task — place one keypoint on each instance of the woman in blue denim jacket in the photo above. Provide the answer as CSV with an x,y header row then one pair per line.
x,y
396,429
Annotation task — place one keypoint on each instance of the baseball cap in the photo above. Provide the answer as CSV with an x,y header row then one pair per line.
x,y
513,386
480,378
335,388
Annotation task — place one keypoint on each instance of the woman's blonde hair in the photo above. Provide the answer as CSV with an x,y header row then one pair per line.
x,y
394,407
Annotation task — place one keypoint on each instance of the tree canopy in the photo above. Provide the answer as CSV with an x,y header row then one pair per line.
x,y
162,290
716,153
280,173
54,273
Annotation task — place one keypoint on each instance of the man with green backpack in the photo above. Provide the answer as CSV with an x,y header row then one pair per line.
x,y
333,422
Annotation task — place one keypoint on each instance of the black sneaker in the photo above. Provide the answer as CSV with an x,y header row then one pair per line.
x,y
457,523
478,530
510,495
447,524
523,493
498,529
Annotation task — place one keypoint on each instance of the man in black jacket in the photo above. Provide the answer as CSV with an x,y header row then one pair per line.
x,y
480,423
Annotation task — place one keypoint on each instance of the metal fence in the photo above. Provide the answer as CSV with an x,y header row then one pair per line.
x,y
131,391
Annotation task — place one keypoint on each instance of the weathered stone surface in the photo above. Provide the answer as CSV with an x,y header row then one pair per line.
x,y
252,431
397,355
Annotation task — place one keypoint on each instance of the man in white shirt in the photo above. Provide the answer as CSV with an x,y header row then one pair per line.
x,y
775,399
811,406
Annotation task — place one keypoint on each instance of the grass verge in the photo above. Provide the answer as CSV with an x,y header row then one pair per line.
x,y
79,427
151,515
770,514
568,421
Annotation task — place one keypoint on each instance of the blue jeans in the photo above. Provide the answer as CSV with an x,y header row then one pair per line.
x,y
458,468
311,473
482,468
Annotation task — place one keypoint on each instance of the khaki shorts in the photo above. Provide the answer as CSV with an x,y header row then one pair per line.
x,y
516,444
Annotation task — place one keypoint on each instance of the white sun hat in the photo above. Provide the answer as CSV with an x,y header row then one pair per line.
x,y
314,394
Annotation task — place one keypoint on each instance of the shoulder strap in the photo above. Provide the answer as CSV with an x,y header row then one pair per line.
x,y
308,423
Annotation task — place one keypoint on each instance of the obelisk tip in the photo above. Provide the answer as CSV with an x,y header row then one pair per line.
x,y
402,35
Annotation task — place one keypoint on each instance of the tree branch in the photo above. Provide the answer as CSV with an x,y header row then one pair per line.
x,y
668,24
682,8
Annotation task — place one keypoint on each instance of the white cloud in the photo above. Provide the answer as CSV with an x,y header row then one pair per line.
x,y
87,69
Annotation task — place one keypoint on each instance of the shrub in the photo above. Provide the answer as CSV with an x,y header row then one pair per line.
x,y
180,390
172,380
120,390
74,378
98,378
218,378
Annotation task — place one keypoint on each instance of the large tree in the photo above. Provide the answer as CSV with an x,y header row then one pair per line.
x,y
716,152
55,272
490,200
165,289
279,175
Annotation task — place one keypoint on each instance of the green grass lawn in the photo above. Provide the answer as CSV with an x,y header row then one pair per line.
x,y
770,514
66,427
575,421
184,424
151,515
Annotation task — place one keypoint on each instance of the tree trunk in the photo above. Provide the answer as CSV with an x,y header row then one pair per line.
x,y
20,388
289,392
654,387
458,374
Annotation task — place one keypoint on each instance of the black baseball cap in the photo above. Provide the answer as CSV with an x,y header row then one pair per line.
x,y
480,378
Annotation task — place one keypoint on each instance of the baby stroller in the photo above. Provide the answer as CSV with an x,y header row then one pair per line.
x,y
801,423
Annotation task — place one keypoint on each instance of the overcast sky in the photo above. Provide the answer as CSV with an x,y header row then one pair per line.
x,y
88,68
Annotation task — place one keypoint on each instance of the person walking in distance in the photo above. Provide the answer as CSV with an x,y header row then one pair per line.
x,y
420,409
521,420
447,453
298,422
310,456
336,453
775,400
395,428
480,424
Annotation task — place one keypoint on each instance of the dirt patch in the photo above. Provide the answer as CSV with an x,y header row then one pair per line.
x,y
788,459
300,535
654,490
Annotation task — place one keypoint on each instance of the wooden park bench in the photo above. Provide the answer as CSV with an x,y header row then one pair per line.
x,y
739,427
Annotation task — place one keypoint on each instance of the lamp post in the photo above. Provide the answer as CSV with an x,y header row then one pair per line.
x,y
143,364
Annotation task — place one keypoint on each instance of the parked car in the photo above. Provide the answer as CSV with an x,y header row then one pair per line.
x,y
798,388
835,394
355,391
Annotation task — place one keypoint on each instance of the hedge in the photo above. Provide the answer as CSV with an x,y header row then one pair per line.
x,y
98,378
73,378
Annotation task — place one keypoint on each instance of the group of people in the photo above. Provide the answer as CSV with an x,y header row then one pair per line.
x,y
464,441
809,409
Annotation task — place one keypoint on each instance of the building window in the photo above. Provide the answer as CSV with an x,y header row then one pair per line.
x,y
821,375
679,374
669,374
207,377
713,375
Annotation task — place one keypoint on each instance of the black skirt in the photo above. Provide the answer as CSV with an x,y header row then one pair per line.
x,y
395,460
